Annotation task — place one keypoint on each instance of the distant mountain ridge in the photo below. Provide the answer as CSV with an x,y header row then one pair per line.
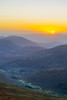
x,y
7,45
14,46
20,41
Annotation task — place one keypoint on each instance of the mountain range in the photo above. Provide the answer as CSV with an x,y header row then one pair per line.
x,y
13,46
30,65
44,59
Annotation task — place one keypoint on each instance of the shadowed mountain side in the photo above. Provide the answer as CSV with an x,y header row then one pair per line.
x,y
7,45
25,51
10,92
51,58
51,79
3,77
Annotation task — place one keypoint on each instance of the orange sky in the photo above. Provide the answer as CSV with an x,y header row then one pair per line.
x,y
46,28
48,16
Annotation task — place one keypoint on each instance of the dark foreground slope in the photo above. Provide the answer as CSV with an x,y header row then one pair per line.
x,y
9,92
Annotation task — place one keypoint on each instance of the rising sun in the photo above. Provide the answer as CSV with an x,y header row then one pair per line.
x,y
53,32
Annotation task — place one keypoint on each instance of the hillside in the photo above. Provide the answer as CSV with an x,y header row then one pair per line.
x,y
10,47
10,92
20,41
51,79
7,45
44,59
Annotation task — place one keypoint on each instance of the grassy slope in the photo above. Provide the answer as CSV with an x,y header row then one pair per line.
x,y
55,80
10,92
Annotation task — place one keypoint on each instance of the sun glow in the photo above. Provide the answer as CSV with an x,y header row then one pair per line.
x,y
53,32
39,27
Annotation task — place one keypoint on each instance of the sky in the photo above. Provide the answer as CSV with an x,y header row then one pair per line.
x,y
48,16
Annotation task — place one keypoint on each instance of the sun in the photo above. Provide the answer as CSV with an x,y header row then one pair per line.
x,y
52,32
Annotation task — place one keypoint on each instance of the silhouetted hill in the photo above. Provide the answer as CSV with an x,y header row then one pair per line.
x,y
10,92
10,47
20,41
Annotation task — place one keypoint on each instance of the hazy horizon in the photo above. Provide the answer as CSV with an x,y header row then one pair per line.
x,y
48,16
